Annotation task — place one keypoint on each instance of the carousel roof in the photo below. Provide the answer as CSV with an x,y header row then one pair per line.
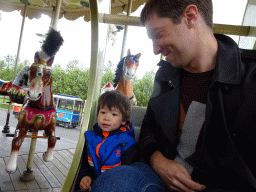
x,y
73,9
70,9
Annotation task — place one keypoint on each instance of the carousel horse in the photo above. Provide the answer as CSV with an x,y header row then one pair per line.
x,y
107,87
17,89
38,113
16,92
125,72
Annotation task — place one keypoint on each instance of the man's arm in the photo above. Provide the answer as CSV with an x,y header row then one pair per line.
x,y
147,142
131,155
174,174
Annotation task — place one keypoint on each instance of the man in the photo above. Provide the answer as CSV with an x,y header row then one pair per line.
x,y
210,72
200,122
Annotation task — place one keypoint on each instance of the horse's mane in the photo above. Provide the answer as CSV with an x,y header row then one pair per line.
x,y
119,72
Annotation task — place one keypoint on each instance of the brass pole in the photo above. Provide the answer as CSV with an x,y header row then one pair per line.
x,y
56,14
21,34
28,175
126,29
7,127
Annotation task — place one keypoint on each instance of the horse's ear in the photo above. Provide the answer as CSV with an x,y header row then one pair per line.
x,y
129,52
137,57
50,61
36,58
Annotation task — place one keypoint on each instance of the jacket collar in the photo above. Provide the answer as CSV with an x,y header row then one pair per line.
x,y
228,61
227,65
128,127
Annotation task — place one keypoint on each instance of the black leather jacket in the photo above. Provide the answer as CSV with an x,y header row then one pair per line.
x,y
226,148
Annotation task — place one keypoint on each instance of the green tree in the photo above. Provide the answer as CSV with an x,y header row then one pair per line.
x,y
2,65
9,61
109,66
76,83
58,76
108,76
23,64
72,65
6,73
143,88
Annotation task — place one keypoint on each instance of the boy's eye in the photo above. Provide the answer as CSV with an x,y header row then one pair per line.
x,y
102,112
114,114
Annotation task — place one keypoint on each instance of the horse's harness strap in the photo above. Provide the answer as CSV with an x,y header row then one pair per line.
x,y
40,108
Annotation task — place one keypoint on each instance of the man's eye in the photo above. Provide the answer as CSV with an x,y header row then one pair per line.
x,y
159,35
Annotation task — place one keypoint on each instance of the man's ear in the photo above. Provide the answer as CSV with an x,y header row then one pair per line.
x,y
191,15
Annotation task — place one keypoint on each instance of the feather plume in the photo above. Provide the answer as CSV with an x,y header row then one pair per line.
x,y
51,44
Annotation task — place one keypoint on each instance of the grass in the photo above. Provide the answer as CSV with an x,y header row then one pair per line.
x,y
4,104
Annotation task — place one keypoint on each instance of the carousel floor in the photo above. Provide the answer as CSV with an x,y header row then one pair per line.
x,y
49,176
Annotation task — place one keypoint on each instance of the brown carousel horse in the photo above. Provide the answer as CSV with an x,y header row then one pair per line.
x,y
126,70
38,113
15,91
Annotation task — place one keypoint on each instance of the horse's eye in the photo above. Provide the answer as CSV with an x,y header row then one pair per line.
x,y
39,74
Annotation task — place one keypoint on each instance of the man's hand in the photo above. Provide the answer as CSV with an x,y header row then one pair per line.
x,y
174,174
85,183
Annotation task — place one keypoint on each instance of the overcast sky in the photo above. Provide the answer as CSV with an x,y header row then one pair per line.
x,y
77,36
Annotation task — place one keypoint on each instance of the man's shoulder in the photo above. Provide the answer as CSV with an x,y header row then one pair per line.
x,y
248,54
164,65
165,70
248,58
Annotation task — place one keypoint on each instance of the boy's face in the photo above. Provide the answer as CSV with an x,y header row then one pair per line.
x,y
110,120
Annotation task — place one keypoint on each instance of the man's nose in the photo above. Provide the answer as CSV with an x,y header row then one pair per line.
x,y
157,47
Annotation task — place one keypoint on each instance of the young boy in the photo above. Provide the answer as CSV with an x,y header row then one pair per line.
x,y
111,143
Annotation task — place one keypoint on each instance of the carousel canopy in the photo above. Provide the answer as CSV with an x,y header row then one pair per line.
x,y
70,9
73,9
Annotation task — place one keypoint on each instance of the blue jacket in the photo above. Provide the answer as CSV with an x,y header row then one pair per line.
x,y
104,150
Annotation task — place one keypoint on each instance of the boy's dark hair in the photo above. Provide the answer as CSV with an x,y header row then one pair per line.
x,y
116,99
175,8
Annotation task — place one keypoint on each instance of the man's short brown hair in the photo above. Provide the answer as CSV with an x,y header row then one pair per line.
x,y
115,99
175,8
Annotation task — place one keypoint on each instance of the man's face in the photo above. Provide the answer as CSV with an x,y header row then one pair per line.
x,y
170,39
110,120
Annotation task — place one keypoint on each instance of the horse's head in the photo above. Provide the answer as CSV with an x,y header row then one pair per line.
x,y
40,76
130,65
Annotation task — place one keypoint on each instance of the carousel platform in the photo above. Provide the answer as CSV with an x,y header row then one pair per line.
x,y
49,176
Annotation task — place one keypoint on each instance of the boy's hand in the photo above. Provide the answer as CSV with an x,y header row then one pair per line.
x,y
85,183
